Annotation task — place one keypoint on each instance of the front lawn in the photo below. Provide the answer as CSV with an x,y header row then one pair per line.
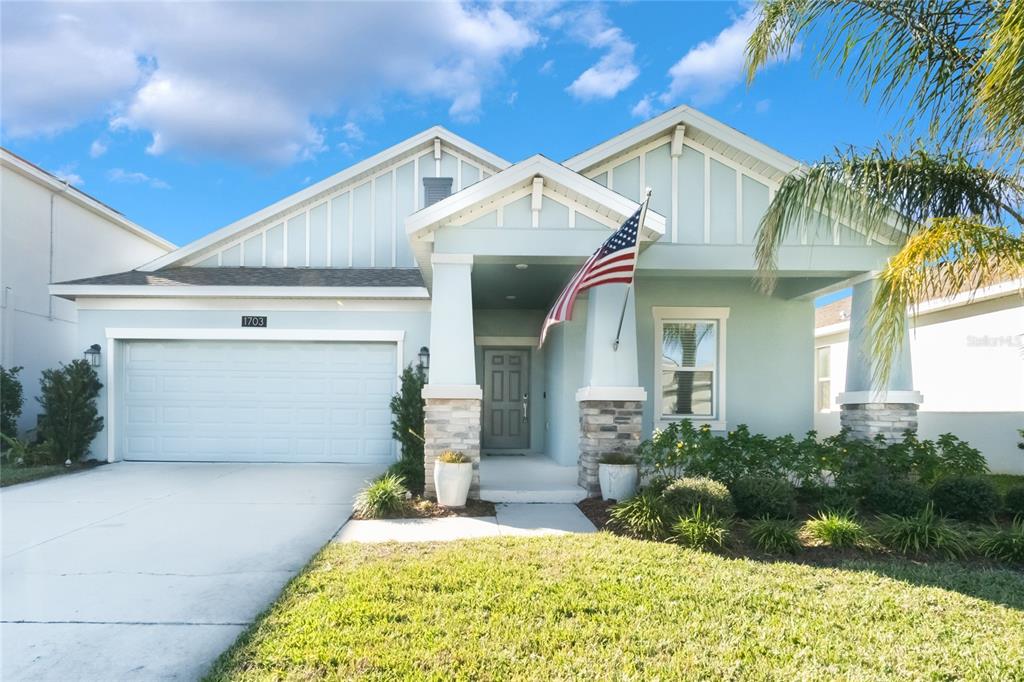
x,y
605,607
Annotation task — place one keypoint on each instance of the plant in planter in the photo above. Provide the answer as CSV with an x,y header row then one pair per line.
x,y
453,474
618,475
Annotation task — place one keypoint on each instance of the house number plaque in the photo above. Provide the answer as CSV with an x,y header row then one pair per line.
x,y
254,320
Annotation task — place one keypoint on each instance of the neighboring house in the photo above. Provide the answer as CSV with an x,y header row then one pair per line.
x,y
50,231
968,360
280,336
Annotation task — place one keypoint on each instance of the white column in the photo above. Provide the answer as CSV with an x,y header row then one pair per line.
x,y
608,371
869,407
452,361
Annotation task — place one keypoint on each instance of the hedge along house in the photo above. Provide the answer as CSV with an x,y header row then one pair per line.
x,y
280,337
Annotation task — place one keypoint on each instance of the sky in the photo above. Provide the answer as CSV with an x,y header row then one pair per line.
x,y
186,117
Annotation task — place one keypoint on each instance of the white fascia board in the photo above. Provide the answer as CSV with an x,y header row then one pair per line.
x,y
432,217
667,121
72,291
219,334
423,139
55,184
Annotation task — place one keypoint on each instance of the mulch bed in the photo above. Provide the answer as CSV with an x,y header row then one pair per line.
x,y
596,509
419,508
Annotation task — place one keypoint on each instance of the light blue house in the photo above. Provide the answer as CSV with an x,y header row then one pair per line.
x,y
280,336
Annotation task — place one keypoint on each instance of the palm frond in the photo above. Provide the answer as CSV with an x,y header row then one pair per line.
x,y
953,256
888,195
1001,98
923,54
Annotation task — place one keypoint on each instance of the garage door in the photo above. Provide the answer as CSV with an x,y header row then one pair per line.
x,y
273,401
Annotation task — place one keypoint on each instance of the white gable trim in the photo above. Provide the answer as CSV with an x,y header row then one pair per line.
x,y
72,291
424,140
55,184
576,186
665,123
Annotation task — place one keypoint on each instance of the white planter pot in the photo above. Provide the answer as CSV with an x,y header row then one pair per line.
x,y
618,481
452,481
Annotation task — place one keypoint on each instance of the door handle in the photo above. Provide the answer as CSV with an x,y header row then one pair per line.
x,y
526,407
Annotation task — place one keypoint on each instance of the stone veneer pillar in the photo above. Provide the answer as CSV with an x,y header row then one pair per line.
x,y
450,423
868,408
607,425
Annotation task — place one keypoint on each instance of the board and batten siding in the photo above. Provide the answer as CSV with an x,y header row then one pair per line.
x,y
706,198
358,224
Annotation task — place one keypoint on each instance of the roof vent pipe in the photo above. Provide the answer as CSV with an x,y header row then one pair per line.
x,y
436,189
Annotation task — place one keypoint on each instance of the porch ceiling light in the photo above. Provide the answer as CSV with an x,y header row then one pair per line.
x,y
510,297
522,266
92,355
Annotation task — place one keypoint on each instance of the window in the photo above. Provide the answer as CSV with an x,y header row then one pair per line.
x,y
823,378
689,381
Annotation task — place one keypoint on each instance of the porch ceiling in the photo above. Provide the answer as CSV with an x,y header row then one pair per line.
x,y
534,288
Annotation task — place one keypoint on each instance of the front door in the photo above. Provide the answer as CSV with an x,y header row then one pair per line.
x,y
506,399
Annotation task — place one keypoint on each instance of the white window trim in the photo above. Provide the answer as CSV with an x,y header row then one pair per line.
x,y
664,314
818,379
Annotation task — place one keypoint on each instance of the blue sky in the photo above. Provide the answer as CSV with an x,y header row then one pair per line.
x,y
187,117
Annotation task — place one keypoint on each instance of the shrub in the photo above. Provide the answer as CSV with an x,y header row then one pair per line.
x,y
407,425
683,495
757,497
970,498
700,530
926,531
1004,544
19,452
899,498
11,401
616,458
453,457
70,420
837,528
1013,501
383,497
411,472
642,516
774,536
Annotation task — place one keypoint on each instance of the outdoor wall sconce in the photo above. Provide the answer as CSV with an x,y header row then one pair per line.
x,y
92,355
425,358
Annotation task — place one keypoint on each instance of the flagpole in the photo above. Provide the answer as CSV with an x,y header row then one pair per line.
x,y
625,300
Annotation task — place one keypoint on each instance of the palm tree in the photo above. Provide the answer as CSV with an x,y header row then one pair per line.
x,y
952,199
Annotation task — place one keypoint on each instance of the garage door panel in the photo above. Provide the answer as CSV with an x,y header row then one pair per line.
x,y
253,401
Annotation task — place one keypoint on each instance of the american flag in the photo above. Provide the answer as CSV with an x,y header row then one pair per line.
x,y
613,263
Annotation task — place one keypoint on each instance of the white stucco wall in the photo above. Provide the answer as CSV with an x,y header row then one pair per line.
x,y
968,363
38,330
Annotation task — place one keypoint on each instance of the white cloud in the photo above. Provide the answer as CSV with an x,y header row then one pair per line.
x,y
97,149
547,67
710,69
762,105
67,174
257,92
135,178
615,71
353,132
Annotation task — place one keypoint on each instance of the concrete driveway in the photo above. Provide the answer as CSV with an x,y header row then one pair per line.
x,y
138,571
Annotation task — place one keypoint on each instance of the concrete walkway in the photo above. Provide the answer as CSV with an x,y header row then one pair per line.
x,y
509,519
139,571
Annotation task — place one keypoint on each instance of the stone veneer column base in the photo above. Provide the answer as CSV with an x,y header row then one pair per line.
x,y
451,424
865,421
606,426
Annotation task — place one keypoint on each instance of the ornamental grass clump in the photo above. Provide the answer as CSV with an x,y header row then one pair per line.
x,y
642,516
1004,544
700,530
838,529
774,536
382,498
926,531
453,457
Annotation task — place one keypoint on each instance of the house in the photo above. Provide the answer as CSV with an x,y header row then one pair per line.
x,y
280,336
968,361
51,231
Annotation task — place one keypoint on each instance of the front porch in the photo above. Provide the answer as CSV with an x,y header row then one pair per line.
x,y
528,478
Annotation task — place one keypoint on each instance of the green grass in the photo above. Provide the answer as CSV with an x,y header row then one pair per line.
x,y
12,475
602,607
1004,482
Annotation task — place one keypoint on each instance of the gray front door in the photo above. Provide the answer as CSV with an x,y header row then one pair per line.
x,y
506,399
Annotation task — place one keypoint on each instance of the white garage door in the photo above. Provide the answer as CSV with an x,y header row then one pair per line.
x,y
272,401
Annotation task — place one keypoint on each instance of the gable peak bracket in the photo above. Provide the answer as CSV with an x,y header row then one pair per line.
x,y
677,140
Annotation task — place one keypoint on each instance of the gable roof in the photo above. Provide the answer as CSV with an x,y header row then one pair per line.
x,y
700,128
50,181
420,141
